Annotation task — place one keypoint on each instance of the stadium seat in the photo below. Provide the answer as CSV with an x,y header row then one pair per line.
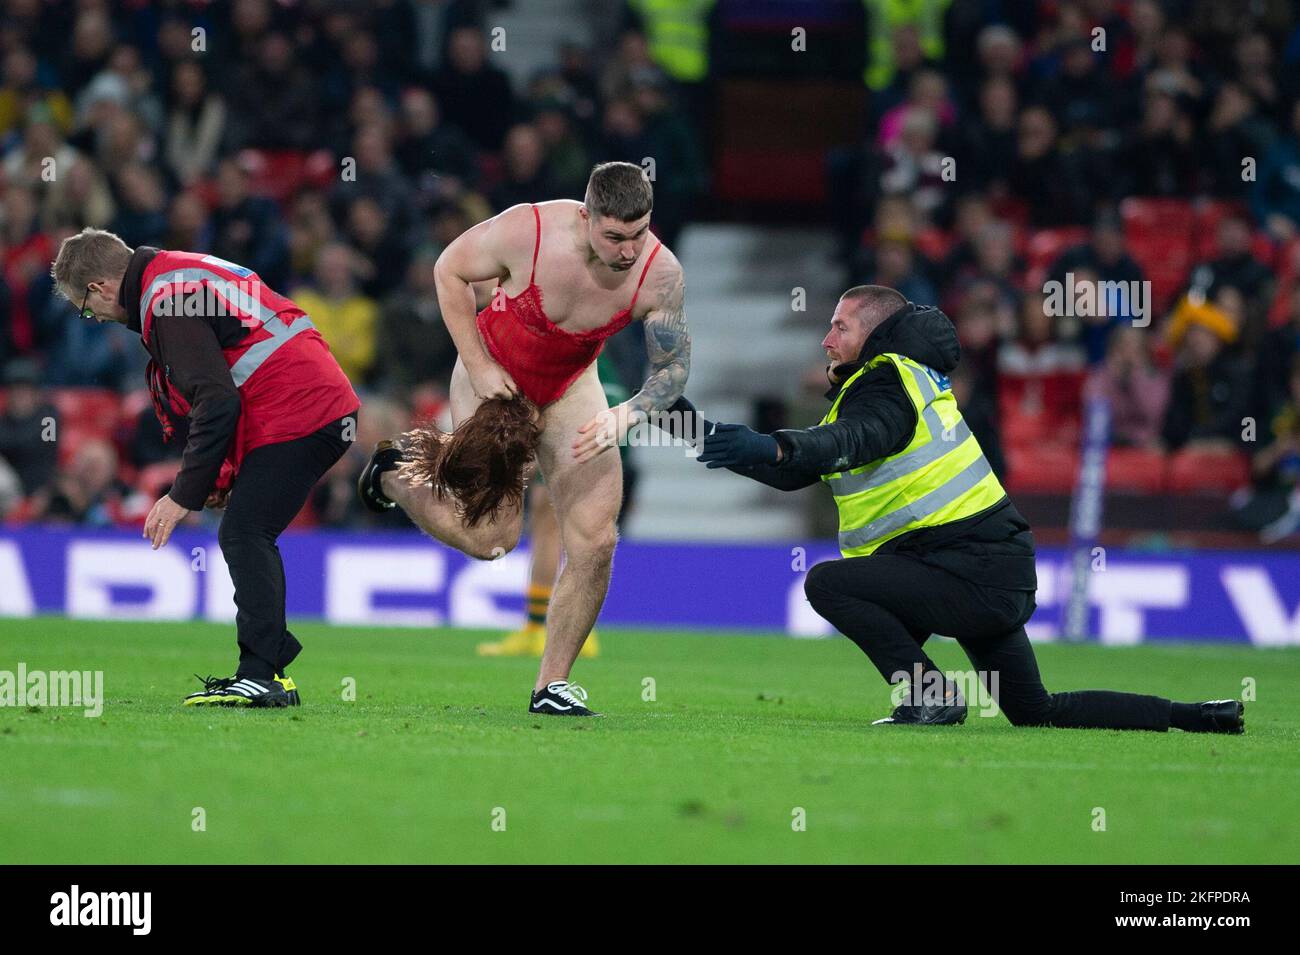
x,y
22,512
1166,261
94,410
71,438
1193,471
933,243
427,404
153,480
1209,213
1042,469
1046,245
1156,216
1011,208
1135,470
1040,409
1159,234
280,173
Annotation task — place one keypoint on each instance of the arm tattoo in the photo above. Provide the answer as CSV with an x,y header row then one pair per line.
x,y
668,343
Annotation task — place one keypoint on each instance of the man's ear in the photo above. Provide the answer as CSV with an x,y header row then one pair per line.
x,y
584,212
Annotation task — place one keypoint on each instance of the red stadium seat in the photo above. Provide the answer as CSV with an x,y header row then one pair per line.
x,y
1042,469
1166,261
94,410
134,402
1164,217
1266,250
1209,213
279,174
1043,247
1040,409
1135,470
1194,471
933,243
71,438
1046,245
1159,234
1012,209
156,478
320,171
22,512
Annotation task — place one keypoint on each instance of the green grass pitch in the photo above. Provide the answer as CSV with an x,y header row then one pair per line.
x,y
744,732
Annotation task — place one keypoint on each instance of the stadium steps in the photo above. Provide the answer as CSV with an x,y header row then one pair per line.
x,y
533,34
746,343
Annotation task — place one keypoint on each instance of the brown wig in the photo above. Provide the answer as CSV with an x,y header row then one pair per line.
x,y
483,464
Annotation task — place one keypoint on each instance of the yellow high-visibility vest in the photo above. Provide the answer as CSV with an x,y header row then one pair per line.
x,y
886,16
940,477
677,32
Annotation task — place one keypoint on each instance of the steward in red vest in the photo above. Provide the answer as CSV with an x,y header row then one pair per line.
x,y
270,412
286,382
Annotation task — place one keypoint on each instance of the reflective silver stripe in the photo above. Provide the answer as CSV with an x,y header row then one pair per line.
x,y
238,295
923,506
846,484
925,383
252,359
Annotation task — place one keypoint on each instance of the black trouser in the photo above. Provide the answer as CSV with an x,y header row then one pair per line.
x,y
890,604
273,483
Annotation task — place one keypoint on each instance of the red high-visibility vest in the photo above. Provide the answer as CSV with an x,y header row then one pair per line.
x,y
289,384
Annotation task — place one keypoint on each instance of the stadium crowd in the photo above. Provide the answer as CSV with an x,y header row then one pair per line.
x,y
1006,147
334,148
1100,142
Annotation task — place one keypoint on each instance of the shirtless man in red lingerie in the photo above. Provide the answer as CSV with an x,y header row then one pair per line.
x,y
600,269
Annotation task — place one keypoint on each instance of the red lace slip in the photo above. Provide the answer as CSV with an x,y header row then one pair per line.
x,y
543,358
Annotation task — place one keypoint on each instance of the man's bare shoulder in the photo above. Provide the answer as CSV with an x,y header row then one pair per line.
x,y
511,236
664,281
558,205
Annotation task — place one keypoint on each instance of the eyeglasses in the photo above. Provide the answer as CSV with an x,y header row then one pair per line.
x,y
86,313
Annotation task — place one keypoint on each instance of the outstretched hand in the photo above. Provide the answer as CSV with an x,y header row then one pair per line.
x,y
734,445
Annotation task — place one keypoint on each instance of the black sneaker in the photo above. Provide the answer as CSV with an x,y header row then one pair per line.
x,y
290,689
239,691
386,457
1224,716
928,714
560,698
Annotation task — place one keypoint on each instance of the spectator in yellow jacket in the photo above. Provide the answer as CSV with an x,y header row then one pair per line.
x,y
346,318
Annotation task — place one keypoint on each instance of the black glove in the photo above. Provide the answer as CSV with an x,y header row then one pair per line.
x,y
682,420
734,445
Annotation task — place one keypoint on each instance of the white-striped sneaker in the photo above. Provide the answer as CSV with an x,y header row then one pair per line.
x,y
560,698
238,691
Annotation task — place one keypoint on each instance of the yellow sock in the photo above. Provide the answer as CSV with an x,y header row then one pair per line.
x,y
539,599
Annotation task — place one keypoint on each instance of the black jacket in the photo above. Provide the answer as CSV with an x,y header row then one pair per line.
x,y
188,351
876,419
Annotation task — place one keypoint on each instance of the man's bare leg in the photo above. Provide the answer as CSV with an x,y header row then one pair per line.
x,y
436,516
587,498
543,538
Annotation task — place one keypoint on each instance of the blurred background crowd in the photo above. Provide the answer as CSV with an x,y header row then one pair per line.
x,y
965,152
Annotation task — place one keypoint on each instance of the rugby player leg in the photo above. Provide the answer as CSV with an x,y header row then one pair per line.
x,y
587,497
437,516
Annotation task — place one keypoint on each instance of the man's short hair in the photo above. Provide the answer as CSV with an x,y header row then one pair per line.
x,y
92,255
619,190
874,303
